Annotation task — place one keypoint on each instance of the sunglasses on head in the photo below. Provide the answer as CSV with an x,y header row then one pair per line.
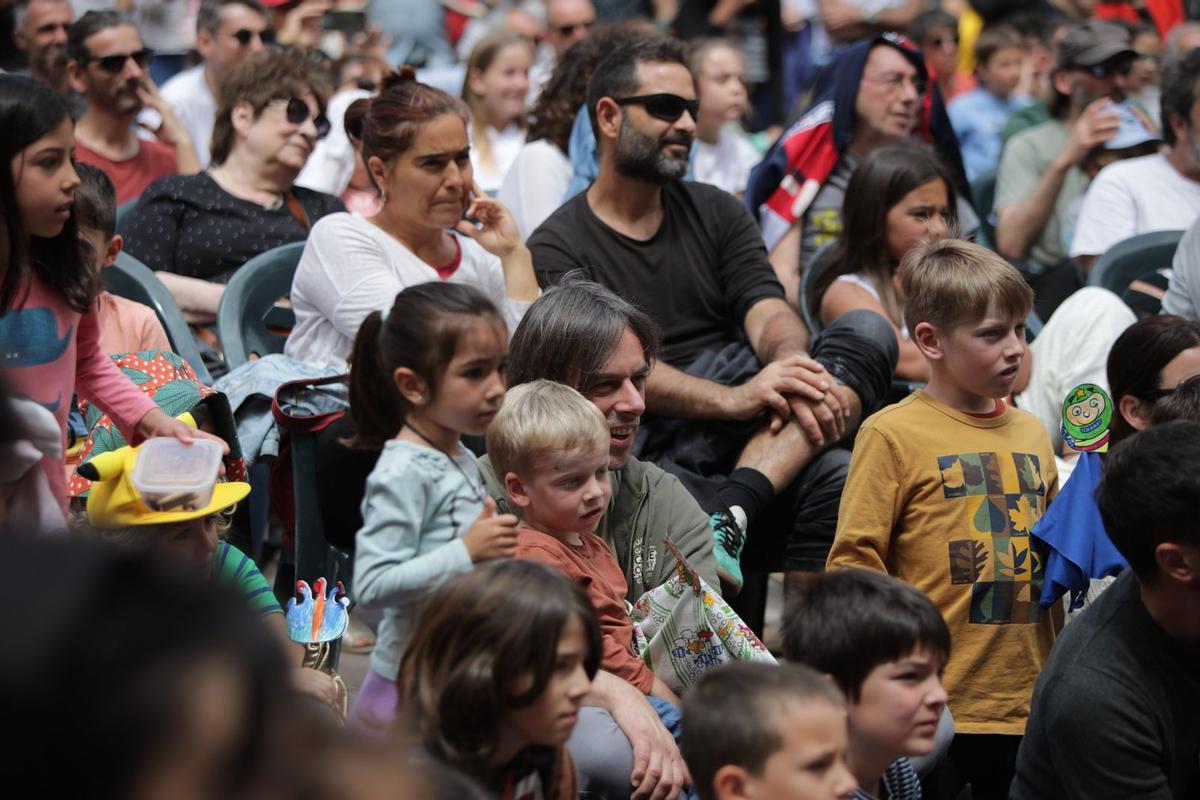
x,y
667,107
298,114
569,30
116,62
245,35
1121,66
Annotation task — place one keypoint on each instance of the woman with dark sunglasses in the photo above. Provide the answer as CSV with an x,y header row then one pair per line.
x,y
196,230
1145,364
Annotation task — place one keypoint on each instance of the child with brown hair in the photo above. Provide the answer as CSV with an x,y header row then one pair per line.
x,y
944,489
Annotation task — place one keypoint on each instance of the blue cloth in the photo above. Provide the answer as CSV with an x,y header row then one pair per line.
x,y
585,161
978,117
1079,546
672,720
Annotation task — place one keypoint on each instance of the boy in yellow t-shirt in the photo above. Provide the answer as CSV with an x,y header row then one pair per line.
x,y
944,488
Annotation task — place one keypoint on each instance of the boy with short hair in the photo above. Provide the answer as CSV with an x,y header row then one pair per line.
x,y
944,489
884,644
979,115
125,326
549,445
761,731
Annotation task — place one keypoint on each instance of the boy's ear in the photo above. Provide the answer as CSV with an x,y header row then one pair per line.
x,y
731,782
1179,562
411,387
518,495
115,245
928,341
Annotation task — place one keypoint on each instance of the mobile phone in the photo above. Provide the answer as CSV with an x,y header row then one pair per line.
x,y
347,22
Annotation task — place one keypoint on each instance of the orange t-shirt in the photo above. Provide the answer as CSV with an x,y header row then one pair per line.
x,y
593,567
154,160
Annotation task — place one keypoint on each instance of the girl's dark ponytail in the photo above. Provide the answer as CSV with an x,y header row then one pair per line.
x,y
374,409
420,332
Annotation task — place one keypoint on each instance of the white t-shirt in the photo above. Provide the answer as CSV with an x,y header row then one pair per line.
x,y
535,184
868,286
188,92
505,145
1138,195
331,164
726,164
350,268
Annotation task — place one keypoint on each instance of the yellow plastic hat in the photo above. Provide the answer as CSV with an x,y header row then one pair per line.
x,y
114,502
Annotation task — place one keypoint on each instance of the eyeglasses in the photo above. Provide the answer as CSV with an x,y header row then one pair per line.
x,y
298,113
1154,395
894,81
244,35
667,107
116,62
569,30
1106,69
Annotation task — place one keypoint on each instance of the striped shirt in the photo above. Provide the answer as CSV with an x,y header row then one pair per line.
x,y
232,566
900,782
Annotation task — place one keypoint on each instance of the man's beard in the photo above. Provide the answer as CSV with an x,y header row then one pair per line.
x,y
642,157
1083,98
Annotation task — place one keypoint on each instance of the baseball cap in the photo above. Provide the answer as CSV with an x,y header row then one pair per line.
x,y
1134,129
1090,43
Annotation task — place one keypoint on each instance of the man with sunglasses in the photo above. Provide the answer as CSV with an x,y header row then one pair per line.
x,y
1040,180
743,414
567,22
108,65
1156,192
227,31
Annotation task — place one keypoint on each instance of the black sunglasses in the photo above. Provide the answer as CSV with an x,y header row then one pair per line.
x,y
116,62
569,30
298,114
1121,66
244,36
667,107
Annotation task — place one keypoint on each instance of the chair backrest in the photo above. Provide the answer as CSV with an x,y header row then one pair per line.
x,y
248,320
808,281
983,193
123,212
133,280
1131,258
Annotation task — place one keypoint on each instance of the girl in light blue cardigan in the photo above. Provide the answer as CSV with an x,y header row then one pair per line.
x,y
428,371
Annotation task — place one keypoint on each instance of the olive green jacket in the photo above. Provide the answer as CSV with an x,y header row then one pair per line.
x,y
647,505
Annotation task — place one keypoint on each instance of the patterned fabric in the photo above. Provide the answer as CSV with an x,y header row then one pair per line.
x,y
170,382
232,567
783,185
900,782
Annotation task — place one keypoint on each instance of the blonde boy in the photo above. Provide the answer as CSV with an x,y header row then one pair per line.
x,y
944,488
549,445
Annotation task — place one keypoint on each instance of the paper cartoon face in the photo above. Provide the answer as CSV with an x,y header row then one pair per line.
x,y
1086,413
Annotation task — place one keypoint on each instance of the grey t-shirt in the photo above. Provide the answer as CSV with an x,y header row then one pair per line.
x,y
1027,156
1183,294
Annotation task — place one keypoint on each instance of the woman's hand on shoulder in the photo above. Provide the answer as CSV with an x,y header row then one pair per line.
x,y
497,231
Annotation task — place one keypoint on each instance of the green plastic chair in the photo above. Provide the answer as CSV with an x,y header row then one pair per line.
x,y
983,193
123,212
133,280
248,321
808,281
1131,258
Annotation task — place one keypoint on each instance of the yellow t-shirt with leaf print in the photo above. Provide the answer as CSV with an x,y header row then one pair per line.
x,y
945,501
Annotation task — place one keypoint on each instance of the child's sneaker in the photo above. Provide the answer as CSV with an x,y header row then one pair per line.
x,y
729,532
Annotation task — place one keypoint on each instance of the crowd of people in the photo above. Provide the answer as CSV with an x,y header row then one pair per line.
x,y
600,312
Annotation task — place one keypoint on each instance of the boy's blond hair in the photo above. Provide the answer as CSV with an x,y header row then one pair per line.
x,y
541,418
949,283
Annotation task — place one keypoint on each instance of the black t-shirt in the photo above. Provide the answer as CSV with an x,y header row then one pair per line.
x,y
189,225
1116,712
696,277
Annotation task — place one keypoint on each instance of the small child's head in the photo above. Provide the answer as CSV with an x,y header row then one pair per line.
x,y
435,359
720,74
966,308
999,58
885,644
117,512
936,33
96,213
1183,402
550,445
758,730
501,659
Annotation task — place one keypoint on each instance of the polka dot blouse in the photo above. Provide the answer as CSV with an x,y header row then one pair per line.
x,y
189,225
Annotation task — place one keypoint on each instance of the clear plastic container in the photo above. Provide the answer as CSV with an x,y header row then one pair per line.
x,y
173,476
